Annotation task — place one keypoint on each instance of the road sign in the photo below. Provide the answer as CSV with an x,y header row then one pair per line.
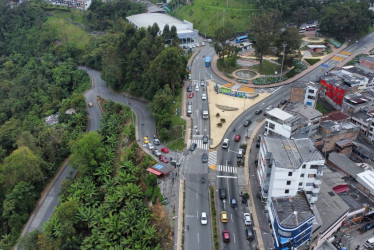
x,y
324,65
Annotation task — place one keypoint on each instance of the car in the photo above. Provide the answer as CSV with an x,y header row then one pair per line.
x,y
369,226
204,158
226,236
90,104
175,163
202,83
283,102
197,87
225,143
237,138
259,111
224,217
247,219
205,139
240,153
222,193
189,76
202,43
249,233
163,159
190,95
156,142
189,88
203,97
157,153
193,146
247,123
165,150
150,146
145,139
233,202
204,218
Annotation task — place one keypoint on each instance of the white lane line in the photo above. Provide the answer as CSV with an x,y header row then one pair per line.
x,y
222,176
234,237
198,238
276,90
197,214
190,216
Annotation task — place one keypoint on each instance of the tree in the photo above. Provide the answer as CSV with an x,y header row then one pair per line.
x,y
222,35
21,165
87,153
264,30
166,34
292,39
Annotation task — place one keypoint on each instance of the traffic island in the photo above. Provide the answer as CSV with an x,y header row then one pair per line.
x,y
214,218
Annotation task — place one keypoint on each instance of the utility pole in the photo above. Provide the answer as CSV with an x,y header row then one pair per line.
x,y
284,52
205,27
223,19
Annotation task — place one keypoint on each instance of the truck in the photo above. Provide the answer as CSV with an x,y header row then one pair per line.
x,y
205,110
207,61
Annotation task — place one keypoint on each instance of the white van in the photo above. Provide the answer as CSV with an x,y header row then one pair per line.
x,y
225,143
369,244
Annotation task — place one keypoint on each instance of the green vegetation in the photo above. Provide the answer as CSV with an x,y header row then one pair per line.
x,y
214,218
356,59
321,108
312,61
268,68
209,14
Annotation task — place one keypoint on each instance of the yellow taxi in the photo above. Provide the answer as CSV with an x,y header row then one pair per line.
x,y
224,217
146,140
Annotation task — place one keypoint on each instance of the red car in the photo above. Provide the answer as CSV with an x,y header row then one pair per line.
x,y
165,150
163,159
226,236
237,138
190,95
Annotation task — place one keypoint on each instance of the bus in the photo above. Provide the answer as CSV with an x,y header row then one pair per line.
x,y
241,39
207,61
310,27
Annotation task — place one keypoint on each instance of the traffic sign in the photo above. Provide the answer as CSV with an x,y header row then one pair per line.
x,y
324,65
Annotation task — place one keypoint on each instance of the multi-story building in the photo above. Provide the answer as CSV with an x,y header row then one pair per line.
x,y
304,92
286,166
281,123
367,61
356,102
362,71
292,221
363,120
371,131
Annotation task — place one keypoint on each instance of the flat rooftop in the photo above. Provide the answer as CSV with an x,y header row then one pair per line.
x,y
335,116
280,114
307,111
291,153
292,211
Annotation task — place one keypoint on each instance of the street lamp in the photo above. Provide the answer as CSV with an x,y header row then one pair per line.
x,y
284,52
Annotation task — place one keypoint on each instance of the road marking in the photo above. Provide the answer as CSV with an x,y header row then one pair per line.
x,y
229,177
198,238
197,214
234,237
213,167
276,90
190,216
197,197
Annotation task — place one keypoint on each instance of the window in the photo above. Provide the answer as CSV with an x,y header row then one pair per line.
x,y
302,175
271,125
289,173
268,174
288,182
287,191
309,184
304,166
311,91
315,166
300,183
311,175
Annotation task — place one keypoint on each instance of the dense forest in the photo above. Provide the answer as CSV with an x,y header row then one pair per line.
x,y
39,77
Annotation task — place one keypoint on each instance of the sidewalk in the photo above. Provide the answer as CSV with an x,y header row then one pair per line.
x,y
290,80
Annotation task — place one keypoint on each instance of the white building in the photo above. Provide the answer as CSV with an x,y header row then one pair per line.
x,y
286,166
311,94
281,123
185,31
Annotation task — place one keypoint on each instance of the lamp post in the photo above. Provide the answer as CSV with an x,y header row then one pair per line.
x,y
284,52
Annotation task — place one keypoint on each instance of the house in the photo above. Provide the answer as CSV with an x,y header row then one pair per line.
x,y
316,48
304,92
362,71
355,102
363,120
344,146
367,61
335,116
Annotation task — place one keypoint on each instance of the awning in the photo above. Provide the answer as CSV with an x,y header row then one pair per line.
x,y
340,189
154,171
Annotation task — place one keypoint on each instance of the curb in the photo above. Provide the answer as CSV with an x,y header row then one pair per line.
x,y
180,215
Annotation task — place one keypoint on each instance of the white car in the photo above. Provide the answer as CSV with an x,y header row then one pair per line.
x,y
203,97
202,83
203,44
247,219
204,219
197,88
150,146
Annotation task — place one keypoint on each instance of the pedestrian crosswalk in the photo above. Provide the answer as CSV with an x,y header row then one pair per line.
x,y
228,169
200,144
212,159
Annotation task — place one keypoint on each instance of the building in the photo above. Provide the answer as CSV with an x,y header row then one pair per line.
x,y
292,220
286,166
281,123
335,116
316,48
304,92
362,153
344,146
343,164
371,131
367,61
363,120
185,31
361,70
356,102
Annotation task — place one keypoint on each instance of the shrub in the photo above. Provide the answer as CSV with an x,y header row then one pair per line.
x,y
217,115
219,124
148,193
223,120
312,61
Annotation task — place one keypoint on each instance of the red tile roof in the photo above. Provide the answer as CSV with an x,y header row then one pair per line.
x,y
334,116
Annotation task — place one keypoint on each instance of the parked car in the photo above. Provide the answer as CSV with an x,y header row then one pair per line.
x,y
222,193
157,153
145,139
226,236
204,158
247,219
189,88
163,159
259,111
193,146
205,139
249,233
204,219
156,142
283,102
203,97
247,123
165,150
190,95
369,226
224,217
237,138
150,146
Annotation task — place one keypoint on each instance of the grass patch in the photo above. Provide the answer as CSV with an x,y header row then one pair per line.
x,y
227,69
268,68
356,59
304,48
312,61
209,14
214,218
176,145
321,108
67,32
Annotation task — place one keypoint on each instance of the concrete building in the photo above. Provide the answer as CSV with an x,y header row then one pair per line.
x,y
335,116
281,123
356,102
305,92
371,130
362,71
185,31
316,48
310,119
367,61
292,220
363,120
344,146
287,166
